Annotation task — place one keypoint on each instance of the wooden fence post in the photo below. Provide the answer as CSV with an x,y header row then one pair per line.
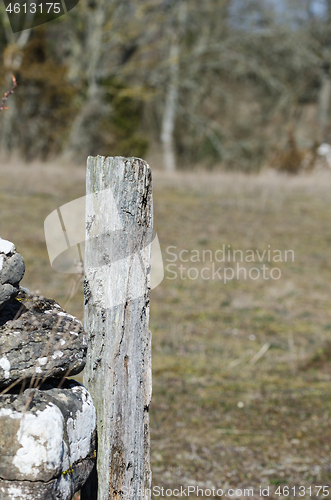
x,y
119,225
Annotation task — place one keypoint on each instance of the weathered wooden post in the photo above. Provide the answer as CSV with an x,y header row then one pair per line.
x,y
119,220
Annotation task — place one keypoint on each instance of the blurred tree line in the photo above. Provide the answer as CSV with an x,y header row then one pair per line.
x,y
237,83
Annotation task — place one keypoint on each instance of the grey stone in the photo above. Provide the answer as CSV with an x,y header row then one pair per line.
x,y
7,293
47,441
12,270
38,339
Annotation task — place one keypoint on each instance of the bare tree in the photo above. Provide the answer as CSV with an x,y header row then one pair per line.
x,y
87,56
12,60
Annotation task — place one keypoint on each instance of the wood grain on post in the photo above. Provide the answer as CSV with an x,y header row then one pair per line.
x,y
119,225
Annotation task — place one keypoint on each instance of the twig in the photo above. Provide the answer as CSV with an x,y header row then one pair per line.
x,y
7,94
259,354
237,431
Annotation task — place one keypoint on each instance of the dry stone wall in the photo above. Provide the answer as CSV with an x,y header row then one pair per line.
x,y
47,422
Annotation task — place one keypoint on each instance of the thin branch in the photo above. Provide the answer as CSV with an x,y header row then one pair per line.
x,y
7,94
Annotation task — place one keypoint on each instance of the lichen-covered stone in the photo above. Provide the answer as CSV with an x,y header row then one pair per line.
x,y
38,339
12,270
7,293
47,441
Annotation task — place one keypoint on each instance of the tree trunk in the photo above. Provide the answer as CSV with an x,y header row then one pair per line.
x,y
178,28
324,101
169,115
78,141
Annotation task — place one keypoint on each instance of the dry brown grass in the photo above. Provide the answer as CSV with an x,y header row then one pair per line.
x,y
206,334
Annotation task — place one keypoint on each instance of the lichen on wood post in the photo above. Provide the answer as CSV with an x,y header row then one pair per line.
x,y
119,226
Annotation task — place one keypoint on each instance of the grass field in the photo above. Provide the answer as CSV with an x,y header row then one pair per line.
x,y
241,370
